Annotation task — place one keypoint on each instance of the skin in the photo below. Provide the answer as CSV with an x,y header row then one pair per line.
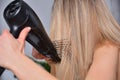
x,y
13,58
104,66
118,71
37,55
105,62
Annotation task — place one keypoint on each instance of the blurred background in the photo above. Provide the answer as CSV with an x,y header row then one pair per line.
x,y
114,6
43,10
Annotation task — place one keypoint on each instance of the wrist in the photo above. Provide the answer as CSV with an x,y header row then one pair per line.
x,y
25,69
16,63
22,68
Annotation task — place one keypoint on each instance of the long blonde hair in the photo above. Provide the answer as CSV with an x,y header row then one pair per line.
x,y
78,26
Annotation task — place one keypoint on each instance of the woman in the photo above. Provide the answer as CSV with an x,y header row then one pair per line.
x,y
87,39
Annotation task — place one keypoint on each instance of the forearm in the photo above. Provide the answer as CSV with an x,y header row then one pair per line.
x,y
25,69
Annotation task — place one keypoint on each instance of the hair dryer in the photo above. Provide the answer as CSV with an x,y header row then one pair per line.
x,y
19,15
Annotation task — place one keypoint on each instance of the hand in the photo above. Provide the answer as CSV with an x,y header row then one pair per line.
x,y
11,48
38,55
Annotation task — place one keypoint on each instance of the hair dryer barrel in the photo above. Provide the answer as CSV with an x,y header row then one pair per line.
x,y
19,15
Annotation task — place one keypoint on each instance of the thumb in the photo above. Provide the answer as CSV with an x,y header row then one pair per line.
x,y
23,35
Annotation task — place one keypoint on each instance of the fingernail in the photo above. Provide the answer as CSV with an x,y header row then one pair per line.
x,y
29,28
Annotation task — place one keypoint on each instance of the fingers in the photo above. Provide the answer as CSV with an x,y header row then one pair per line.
x,y
22,37
37,55
5,32
23,34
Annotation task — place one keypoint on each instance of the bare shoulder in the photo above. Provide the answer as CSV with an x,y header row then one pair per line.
x,y
119,67
105,62
106,50
106,44
106,47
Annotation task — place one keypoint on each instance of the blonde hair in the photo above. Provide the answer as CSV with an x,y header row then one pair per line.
x,y
79,25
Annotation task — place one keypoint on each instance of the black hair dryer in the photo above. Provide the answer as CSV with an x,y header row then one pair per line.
x,y
19,15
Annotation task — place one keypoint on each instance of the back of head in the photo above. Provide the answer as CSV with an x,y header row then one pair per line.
x,y
76,27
